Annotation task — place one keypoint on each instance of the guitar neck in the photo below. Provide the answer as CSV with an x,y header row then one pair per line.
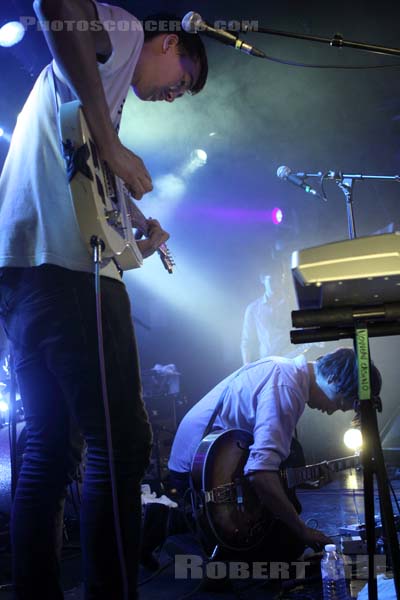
x,y
137,218
139,221
296,476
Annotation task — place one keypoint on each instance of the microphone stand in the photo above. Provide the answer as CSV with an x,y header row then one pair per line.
x,y
336,41
360,323
372,457
345,182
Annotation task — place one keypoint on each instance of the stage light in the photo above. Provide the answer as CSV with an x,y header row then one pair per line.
x,y
200,156
277,216
3,406
197,159
4,135
353,439
11,33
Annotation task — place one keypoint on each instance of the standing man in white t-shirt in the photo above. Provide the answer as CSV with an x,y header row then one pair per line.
x,y
47,299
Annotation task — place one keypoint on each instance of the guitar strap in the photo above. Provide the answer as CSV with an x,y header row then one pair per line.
x,y
216,411
219,404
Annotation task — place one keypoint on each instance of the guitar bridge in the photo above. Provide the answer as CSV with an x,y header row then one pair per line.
x,y
114,217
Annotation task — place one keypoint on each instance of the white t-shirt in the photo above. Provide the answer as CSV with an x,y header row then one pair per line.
x,y
37,218
266,398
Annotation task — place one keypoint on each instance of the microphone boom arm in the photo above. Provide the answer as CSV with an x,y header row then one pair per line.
x,y
336,41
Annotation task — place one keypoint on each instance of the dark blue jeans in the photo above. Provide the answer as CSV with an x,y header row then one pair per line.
x,y
49,316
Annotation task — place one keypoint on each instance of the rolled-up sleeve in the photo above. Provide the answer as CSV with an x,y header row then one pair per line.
x,y
279,408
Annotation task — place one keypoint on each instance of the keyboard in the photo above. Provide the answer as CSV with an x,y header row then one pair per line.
x,y
357,272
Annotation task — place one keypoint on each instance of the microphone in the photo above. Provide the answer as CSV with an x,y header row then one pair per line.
x,y
286,174
193,23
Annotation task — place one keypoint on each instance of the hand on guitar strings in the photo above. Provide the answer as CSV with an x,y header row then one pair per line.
x,y
130,168
156,237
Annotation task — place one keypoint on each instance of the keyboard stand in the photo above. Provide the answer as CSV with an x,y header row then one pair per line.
x,y
360,323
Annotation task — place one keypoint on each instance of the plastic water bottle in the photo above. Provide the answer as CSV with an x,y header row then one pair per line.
x,y
333,575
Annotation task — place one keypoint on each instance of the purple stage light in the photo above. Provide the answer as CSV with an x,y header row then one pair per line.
x,y
277,216
234,214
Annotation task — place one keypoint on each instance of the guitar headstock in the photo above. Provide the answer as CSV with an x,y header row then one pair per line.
x,y
166,258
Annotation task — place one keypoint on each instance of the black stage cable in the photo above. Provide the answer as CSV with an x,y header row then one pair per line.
x,y
160,569
292,63
355,506
97,245
210,594
192,592
75,504
394,496
191,526
159,549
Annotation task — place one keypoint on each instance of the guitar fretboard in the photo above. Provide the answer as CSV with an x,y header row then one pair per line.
x,y
135,215
298,475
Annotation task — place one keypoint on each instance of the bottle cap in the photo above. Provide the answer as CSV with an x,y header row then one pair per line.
x,y
330,547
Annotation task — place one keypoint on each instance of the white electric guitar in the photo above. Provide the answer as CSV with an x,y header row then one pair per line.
x,y
103,206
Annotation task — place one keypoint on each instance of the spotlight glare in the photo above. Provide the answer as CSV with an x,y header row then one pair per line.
x,y
11,33
200,155
353,439
3,406
197,159
1,132
277,216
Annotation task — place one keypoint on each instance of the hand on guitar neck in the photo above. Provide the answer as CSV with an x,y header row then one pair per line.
x,y
151,229
131,169
156,238
137,180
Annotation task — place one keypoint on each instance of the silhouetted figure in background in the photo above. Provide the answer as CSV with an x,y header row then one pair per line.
x,y
266,323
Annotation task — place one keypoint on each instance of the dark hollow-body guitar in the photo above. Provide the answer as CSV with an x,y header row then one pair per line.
x,y
230,515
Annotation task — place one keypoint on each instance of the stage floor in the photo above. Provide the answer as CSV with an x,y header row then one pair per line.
x,y
337,504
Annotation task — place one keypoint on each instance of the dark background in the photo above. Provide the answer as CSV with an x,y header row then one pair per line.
x,y
262,115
